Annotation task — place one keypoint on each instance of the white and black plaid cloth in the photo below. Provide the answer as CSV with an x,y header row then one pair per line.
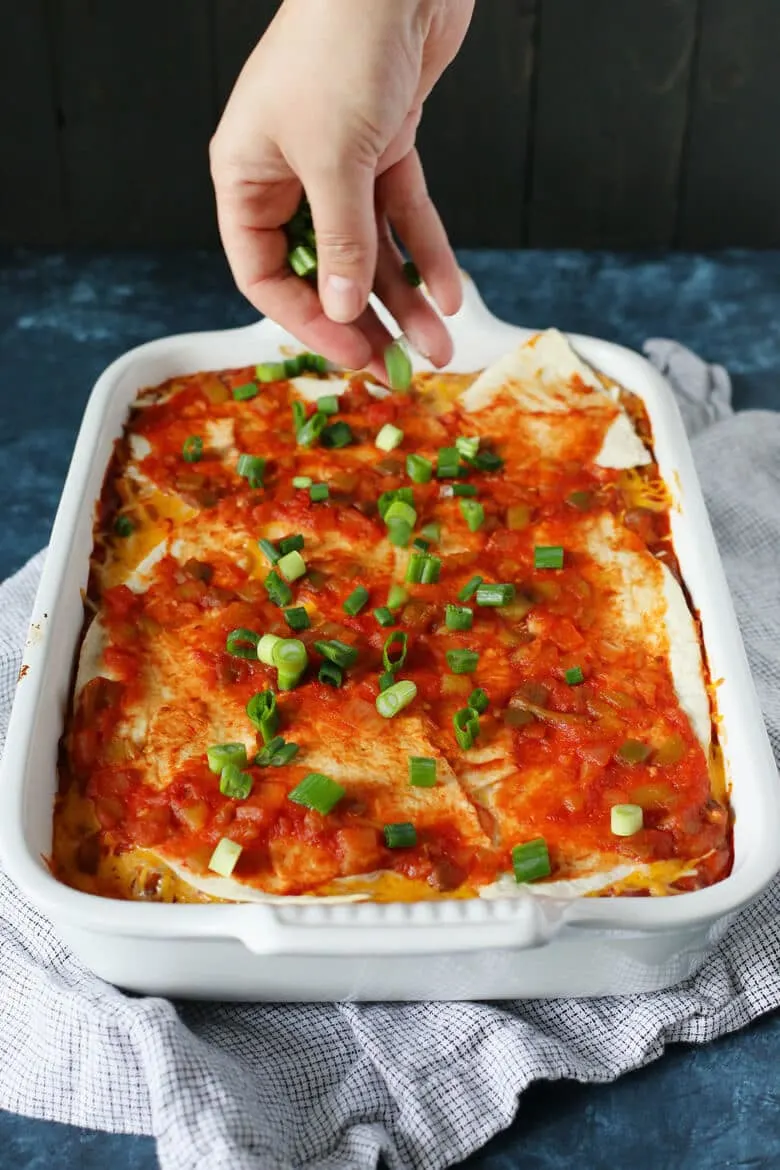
x,y
334,1086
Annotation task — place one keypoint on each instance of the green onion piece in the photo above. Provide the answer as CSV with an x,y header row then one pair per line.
x,y
398,366
279,592
495,594
405,494
430,570
328,404
386,679
389,438
331,674
574,676
264,714
463,489
411,275
311,429
384,616
273,371
293,366
548,556
421,545
251,467
401,835
400,510
289,655
431,532
356,601
297,618
337,435
448,463
397,638
292,566
123,526
419,469
487,461
415,567
298,415
235,783
318,492
192,449
219,755
270,550
315,363
317,791
633,751
458,617
395,698
396,597
245,391
242,643
469,589
290,544
422,772
338,652
466,723
531,861
626,819
265,648
276,754
473,514
399,532
303,260
468,447
301,481
580,500
225,856
273,745
462,661
479,701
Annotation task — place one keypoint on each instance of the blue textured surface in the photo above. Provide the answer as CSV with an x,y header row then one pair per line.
x,y
64,318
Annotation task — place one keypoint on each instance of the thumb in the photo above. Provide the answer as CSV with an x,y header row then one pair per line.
x,y
342,207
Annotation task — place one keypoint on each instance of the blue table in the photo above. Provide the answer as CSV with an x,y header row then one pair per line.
x,y
64,317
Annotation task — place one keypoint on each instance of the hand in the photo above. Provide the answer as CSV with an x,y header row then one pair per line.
x,y
328,103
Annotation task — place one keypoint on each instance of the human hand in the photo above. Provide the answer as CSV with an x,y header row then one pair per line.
x,y
328,103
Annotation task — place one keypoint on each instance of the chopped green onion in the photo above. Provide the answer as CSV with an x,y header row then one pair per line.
x,y
328,404
318,492
302,481
242,643
290,544
387,498
411,275
263,713
580,500
303,260
292,366
331,674
466,723
448,463
462,661
398,366
252,468
495,594
292,566
338,434
399,639
633,751
479,701
400,510
389,438
290,659
386,679
422,772
273,371
123,526
531,861
384,616
418,468
487,461
401,835
245,391
338,652
298,415
626,819
463,489
312,363
276,754
458,617
265,648
431,532
430,570
356,601
270,550
468,447
415,567
311,429
219,755
317,791
548,556
279,592
473,514
192,449
297,618
399,532
574,676
469,589
235,783
225,856
395,698
421,545
396,597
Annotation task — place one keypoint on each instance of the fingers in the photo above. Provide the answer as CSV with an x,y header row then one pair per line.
x,y
424,328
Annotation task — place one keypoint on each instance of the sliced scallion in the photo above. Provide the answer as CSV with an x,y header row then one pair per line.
x,y
331,674
246,391
192,449
574,676
290,659
242,643
389,438
338,652
337,435
393,663
464,490
297,618
272,371
251,468
265,648
396,597
318,492
269,549
411,275
328,404
399,533
279,592
448,463
395,698
401,835
318,792
384,616
431,532
356,601
225,857
292,566
263,713
502,594
466,724
462,661
234,783
398,366
400,510
473,514
549,556
219,755
290,544
467,447
458,617
311,429
479,701
302,481
469,589
422,771
123,526
531,860
303,260
419,469
626,819
386,679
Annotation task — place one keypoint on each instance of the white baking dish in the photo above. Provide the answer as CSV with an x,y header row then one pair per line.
x,y
526,946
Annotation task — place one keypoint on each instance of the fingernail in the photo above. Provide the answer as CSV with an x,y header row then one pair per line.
x,y
341,299
419,343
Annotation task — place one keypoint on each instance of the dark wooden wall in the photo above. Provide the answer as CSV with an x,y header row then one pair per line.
x,y
588,123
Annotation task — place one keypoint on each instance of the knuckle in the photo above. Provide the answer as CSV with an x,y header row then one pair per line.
x,y
342,250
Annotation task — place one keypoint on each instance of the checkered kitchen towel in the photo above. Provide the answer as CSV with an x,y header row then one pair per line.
x,y
273,1086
